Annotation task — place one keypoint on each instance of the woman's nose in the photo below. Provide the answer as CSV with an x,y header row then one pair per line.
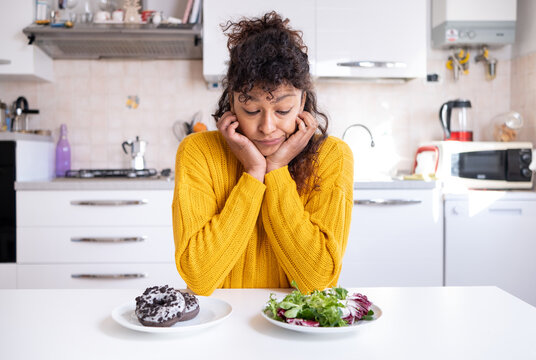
x,y
268,123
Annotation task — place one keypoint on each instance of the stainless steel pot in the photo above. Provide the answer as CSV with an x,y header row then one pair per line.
x,y
20,113
137,150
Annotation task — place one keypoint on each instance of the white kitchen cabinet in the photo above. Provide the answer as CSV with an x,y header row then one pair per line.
x,y
216,12
371,39
18,60
8,276
491,240
95,244
102,208
97,276
396,239
345,38
88,239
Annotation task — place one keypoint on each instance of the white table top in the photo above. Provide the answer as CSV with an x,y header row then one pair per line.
x,y
417,323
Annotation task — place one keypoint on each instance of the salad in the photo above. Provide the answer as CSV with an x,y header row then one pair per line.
x,y
333,307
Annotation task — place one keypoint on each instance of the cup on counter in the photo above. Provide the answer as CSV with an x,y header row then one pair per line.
x,y
102,16
156,18
72,17
146,15
85,18
118,15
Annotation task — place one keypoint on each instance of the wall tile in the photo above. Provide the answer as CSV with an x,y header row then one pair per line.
x,y
90,97
523,91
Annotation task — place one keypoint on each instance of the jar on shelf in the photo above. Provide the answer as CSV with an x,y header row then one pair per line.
x,y
506,126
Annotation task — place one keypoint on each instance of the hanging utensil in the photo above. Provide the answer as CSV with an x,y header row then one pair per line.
x,y
489,63
183,128
458,62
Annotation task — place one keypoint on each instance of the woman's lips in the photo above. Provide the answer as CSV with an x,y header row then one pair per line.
x,y
270,142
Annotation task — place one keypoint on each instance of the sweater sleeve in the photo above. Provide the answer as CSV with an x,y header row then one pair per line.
x,y
209,242
309,239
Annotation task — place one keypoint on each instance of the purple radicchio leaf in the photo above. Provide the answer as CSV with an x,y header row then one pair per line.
x,y
302,322
358,306
281,313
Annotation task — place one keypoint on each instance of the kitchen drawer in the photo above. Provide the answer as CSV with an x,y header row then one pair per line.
x,y
61,276
8,276
42,245
86,208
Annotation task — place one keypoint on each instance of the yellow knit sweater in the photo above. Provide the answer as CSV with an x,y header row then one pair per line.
x,y
232,231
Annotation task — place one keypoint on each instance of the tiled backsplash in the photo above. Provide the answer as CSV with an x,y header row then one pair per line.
x,y
91,98
523,93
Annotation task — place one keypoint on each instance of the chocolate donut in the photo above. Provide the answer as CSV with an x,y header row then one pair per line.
x,y
160,306
192,307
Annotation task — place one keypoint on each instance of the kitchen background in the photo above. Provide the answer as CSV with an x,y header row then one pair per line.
x,y
57,236
90,97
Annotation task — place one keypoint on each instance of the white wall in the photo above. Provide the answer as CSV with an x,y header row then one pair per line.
x,y
523,71
525,28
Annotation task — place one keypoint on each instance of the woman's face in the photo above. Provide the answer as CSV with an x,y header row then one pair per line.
x,y
268,121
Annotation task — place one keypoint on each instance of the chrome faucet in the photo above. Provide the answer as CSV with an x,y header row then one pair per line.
x,y
364,127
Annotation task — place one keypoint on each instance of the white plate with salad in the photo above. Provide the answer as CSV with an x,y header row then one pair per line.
x,y
329,311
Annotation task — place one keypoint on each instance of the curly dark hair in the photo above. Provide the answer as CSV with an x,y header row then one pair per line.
x,y
266,53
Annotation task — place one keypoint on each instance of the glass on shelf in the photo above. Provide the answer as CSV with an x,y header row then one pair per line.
x,y
506,126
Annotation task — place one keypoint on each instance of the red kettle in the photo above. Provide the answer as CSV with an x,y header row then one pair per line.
x,y
455,119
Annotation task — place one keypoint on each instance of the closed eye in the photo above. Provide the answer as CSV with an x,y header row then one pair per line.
x,y
251,112
283,112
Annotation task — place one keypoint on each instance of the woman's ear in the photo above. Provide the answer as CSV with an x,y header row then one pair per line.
x,y
303,98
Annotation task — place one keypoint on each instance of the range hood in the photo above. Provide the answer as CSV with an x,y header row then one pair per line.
x,y
110,41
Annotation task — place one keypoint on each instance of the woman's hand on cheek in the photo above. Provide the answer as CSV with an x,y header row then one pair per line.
x,y
307,125
246,152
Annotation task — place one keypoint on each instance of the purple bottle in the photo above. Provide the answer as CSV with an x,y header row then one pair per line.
x,y
63,153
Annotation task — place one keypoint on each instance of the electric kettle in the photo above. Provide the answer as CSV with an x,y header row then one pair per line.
x,y
455,119
137,150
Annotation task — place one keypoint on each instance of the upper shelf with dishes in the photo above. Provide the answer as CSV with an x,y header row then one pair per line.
x,y
108,41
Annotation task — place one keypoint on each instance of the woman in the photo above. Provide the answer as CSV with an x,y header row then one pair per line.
x,y
267,198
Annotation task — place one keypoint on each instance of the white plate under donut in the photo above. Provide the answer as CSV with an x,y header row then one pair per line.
x,y
211,312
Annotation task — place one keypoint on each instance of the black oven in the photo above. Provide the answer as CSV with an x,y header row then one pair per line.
x,y
7,202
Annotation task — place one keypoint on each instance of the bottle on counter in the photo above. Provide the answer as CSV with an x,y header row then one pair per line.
x,y
63,153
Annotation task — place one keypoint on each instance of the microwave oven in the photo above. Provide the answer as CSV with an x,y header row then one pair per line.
x,y
482,164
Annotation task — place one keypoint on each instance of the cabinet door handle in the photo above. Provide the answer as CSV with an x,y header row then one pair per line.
x,y
386,202
517,211
374,64
109,276
5,62
109,239
108,202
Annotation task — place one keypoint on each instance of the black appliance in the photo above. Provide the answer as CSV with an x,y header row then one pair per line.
x,y
7,203
507,165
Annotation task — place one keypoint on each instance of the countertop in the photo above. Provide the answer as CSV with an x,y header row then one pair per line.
x,y
168,184
395,184
417,323
492,195
155,183
16,136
